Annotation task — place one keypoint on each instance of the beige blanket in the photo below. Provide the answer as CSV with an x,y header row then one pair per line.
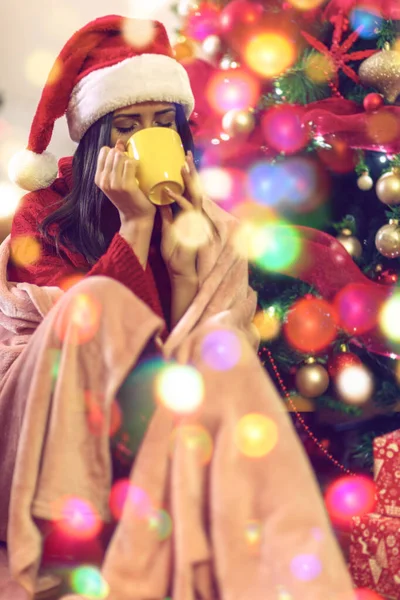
x,y
51,452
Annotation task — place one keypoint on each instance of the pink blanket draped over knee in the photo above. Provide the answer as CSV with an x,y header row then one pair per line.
x,y
58,455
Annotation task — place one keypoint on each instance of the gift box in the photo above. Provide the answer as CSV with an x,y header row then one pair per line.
x,y
387,474
375,554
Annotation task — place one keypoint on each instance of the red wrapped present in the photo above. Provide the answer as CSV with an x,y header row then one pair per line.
x,y
387,474
375,554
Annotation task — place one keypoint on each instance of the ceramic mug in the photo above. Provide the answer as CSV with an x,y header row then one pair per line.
x,y
161,157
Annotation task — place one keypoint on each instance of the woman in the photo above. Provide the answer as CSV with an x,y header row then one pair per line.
x,y
69,355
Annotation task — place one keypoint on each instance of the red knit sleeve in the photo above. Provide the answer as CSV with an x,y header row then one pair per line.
x,y
119,261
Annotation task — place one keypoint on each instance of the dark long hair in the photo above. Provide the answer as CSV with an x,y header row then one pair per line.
x,y
86,218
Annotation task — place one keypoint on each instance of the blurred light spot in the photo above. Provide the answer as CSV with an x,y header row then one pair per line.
x,y
25,250
311,325
232,89
319,68
192,229
256,435
355,384
139,502
284,130
281,247
216,182
382,127
161,523
77,518
350,496
389,317
196,440
87,581
96,419
138,33
264,182
221,350
180,388
67,282
80,320
366,594
357,308
306,567
253,535
10,195
267,323
202,21
41,67
367,22
269,54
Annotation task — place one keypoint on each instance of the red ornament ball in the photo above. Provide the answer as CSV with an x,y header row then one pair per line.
x,y
373,102
311,325
284,130
202,22
341,361
238,18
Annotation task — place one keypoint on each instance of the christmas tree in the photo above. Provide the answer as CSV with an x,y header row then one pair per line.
x,y
297,126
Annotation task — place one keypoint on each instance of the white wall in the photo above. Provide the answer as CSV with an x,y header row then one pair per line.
x,y
31,26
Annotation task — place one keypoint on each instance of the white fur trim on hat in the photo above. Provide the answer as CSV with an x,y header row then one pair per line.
x,y
137,79
32,171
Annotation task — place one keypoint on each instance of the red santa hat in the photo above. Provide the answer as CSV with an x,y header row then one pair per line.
x,y
99,70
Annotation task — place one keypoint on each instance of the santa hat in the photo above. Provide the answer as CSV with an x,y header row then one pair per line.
x,y
99,70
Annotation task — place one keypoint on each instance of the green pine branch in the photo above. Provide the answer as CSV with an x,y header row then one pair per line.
x,y
297,87
386,35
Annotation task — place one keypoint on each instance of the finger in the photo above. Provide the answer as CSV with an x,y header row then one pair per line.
x,y
190,161
108,167
167,217
129,173
118,168
193,188
101,161
120,145
182,202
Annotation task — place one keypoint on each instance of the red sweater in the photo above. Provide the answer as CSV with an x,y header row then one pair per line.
x,y
119,261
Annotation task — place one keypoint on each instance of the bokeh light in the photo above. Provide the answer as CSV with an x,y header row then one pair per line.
x,y
161,523
202,21
319,68
95,415
337,156
306,4
232,88
80,320
366,594
76,518
282,246
138,33
366,21
355,384
41,66
350,496
192,229
180,388
196,440
382,127
306,567
311,324
357,308
10,195
25,250
269,53
87,581
267,323
225,186
284,130
256,435
139,501
253,535
67,282
389,317
265,181
221,350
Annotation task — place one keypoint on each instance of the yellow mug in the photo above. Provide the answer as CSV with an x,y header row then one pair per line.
x,y
161,157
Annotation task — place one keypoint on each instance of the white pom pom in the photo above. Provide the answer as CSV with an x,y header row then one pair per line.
x,y
33,171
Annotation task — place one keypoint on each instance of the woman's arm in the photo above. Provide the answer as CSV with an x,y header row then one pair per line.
x,y
183,292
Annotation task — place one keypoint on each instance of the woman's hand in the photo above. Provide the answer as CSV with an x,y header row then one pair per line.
x,y
116,177
180,258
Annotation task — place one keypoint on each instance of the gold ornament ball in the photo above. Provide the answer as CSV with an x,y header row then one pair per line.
x,y
388,188
365,182
350,243
382,71
238,121
387,239
312,380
